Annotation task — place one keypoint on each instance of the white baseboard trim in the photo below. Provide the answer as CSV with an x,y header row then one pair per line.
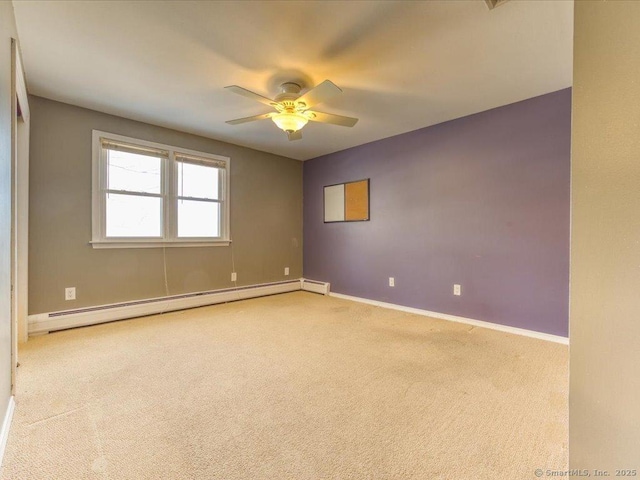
x,y
453,318
6,426
48,322
315,286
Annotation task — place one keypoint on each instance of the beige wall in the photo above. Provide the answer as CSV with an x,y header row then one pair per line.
x,y
266,218
605,257
7,31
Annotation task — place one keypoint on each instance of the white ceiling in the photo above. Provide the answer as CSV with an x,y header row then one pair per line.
x,y
401,65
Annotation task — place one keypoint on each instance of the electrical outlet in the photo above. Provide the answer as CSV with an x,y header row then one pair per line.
x,y
392,282
286,270
457,290
70,293
234,276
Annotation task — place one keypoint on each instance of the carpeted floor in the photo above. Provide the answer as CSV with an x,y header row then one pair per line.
x,y
295,386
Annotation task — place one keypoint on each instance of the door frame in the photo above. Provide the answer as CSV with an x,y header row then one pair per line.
x,y
20,126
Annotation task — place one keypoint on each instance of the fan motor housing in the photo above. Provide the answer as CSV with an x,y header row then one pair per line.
x,y
289,91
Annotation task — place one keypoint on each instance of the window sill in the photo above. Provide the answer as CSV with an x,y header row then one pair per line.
x,y
124,244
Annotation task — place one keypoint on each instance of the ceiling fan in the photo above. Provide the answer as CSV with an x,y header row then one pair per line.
x,y
292,109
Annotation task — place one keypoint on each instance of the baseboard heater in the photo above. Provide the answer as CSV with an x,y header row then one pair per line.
x,y
315,286
49,322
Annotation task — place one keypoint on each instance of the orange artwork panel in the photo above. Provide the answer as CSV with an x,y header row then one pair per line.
x,y
356,204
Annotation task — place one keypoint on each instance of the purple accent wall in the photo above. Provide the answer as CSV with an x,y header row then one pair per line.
x,y
482,201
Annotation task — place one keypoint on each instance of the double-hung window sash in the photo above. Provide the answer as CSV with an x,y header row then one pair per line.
x,y
199,196
133,183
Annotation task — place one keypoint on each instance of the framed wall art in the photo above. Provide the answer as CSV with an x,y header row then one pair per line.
x,y
347,202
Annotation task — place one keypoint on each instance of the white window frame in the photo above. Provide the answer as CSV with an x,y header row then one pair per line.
x,y
169,195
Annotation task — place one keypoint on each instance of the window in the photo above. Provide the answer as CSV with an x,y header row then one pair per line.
x,y
147,195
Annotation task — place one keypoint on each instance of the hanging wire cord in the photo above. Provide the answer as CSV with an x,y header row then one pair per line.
x,y
233,269
166,279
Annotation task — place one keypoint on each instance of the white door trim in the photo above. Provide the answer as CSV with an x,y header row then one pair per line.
x,y
19,205
6,427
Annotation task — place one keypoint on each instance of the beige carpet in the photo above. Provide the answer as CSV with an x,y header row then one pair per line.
x,y
295,386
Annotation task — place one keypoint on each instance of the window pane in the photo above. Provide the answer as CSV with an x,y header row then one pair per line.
x,y
133,216
198,219
134,173
197,181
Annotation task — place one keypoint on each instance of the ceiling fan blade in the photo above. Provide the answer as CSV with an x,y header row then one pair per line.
x,y
331,118
297,135
320,93
252,95
238,121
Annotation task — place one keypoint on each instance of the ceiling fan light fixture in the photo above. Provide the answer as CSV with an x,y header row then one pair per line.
x,y
292,109
289,122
